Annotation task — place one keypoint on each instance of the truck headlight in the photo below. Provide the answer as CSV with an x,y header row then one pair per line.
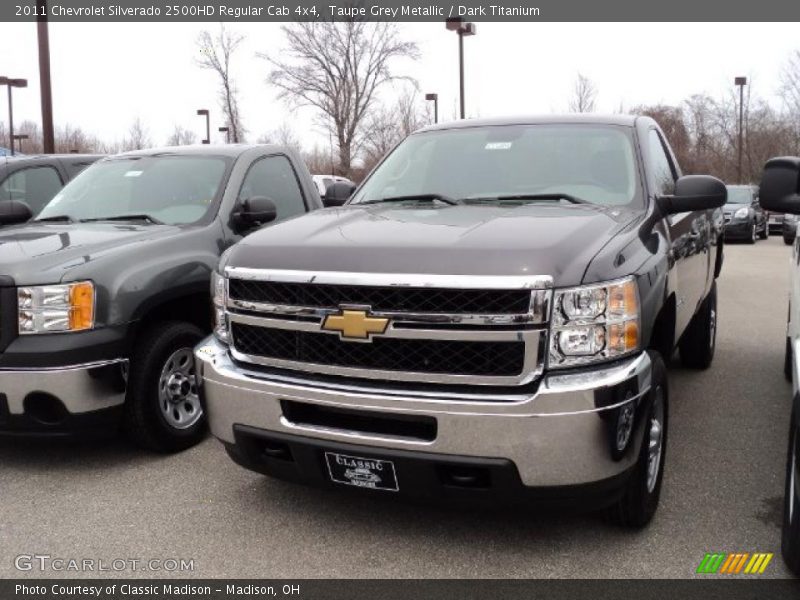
x,y
219,295
54,308
594,323
741,213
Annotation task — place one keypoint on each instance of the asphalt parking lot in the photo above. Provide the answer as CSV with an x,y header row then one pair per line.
x,y
722,491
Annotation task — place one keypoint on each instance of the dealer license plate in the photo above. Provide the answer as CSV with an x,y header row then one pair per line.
x,y
362,472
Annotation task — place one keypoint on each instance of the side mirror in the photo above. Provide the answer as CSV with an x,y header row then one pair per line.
x,y
780,184
14,211
255,211
694,192
338,193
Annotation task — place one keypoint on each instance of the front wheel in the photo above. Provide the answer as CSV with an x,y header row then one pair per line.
x,y
765,233
753,235
791,504
162,409
642,491
699,341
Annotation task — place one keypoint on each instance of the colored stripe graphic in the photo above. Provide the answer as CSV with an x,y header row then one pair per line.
x,y
734,563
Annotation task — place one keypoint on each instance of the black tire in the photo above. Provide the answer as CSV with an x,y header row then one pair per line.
x,y
145,421
787,360
791,506
753,235
640,498
699,341
788,240
765,233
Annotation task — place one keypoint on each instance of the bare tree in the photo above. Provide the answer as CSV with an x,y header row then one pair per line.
x,y
338,68
181,137
584,94
283,135
388,125
137,138
215,54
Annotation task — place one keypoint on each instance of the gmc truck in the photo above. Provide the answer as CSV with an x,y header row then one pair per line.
x,y
104,294
487,318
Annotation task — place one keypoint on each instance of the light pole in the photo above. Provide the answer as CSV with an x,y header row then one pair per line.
x,y
435,98
741,82
12,83
226,131
45,84
19,137
203,112
462,29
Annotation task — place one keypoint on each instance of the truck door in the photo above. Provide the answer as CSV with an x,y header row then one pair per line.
x,y
690,233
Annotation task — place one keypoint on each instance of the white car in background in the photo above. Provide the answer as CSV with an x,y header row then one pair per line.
x,y
323,181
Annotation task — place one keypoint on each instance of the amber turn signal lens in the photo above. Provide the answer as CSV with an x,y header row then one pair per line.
x,y
81,300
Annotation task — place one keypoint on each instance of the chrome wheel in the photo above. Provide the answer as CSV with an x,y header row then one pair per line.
x,y
177,390
712,326
655,439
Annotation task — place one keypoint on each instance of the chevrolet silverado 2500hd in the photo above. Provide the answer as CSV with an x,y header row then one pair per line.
x,y
105,293
488,317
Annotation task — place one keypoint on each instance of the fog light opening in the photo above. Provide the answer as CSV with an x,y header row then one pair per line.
x,y
45,408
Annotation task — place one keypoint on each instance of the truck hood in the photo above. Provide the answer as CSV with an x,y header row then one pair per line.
x,y
39,253
471,239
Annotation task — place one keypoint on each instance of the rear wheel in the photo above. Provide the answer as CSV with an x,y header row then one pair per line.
x,y
791,504
642,491
163,410
699,342
788,240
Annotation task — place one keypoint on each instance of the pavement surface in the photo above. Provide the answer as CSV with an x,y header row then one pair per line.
x,y
722,491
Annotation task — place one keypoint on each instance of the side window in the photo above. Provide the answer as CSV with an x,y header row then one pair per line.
x,y
35,186
663,174
274,178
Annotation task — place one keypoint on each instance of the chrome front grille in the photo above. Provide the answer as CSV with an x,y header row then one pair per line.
x,y
448,330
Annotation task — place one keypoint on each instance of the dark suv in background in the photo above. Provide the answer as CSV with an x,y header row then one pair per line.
x,y
34,180
744,217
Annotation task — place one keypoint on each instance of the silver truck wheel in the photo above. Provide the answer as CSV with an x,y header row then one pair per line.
x,y
178,397
655,438
791,509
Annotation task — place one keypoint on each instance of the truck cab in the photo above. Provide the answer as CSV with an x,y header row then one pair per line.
x,y
488,318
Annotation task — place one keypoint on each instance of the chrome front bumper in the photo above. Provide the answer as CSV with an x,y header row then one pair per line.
x,y
560,435
79,388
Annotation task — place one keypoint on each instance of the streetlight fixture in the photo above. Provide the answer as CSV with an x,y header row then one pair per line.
x,y
12,83
462,29
203,112
18,137
435,98
741,82
226,131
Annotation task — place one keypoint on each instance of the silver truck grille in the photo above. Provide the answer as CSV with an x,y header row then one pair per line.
x,y
434,329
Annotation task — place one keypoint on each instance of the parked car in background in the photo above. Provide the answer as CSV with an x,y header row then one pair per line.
x,y
789,228
780,192
34,180
744,217
105,293
487,319
323,182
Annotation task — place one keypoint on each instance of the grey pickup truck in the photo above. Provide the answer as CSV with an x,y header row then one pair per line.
x,y
487,318
105,293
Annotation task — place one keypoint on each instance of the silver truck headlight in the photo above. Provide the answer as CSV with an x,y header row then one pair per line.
x,y
594,323
55,308
219,295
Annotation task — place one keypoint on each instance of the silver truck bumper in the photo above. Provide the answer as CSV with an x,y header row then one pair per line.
x,y
78,388
563,434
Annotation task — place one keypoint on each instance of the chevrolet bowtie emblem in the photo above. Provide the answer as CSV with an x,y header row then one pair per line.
x,y
355,324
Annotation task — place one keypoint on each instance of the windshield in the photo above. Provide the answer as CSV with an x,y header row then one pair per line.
x,y
740,195
171,189
592,163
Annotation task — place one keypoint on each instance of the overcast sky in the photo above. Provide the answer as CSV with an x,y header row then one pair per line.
x,y
105,75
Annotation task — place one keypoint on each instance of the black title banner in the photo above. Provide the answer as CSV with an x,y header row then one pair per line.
x,y
374,589
396,10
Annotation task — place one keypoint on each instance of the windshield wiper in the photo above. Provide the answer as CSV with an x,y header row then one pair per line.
x,y
141,217
549,196
422,197
64,218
